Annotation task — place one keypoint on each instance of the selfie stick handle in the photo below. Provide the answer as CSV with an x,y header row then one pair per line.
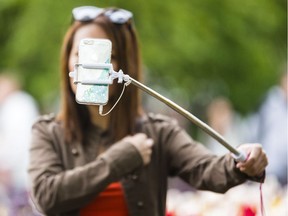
x,y
238,156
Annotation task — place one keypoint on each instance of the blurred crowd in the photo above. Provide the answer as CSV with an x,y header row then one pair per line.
x,y
268,126
271,124
18,110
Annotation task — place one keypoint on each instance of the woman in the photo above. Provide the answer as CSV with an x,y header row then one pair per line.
x,y
83,163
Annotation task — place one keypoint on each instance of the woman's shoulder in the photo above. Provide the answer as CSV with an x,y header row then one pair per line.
x,y
159,120
157,117
46,118
45,122
161,127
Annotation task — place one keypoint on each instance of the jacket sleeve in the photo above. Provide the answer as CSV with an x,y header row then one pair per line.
x,y
196,165
55,190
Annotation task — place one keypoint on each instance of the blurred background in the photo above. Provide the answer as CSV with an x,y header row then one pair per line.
x,y
221,60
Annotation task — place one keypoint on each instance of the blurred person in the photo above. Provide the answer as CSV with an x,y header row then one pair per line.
x,y
84,164
18,111
224,119
273,130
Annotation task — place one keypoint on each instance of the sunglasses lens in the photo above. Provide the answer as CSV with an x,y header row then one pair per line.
x,y
86,13
119,16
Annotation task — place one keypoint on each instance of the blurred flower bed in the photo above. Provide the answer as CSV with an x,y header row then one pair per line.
x,y
243,200
15,203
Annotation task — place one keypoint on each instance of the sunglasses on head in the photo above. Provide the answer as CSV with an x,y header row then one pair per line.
x,y
88,13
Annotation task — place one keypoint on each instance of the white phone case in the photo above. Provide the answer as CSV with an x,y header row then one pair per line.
x,y
93,51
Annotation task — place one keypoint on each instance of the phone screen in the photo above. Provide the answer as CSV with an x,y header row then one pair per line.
x,y
93,51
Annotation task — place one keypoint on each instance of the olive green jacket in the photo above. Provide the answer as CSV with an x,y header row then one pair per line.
x,y
66,176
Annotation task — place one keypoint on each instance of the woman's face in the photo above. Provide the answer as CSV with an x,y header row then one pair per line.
x,y
87,31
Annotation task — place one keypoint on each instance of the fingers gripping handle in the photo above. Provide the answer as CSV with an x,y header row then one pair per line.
x,y
241,157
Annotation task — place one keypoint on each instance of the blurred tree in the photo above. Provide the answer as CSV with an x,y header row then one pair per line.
x,y
199,49
10,12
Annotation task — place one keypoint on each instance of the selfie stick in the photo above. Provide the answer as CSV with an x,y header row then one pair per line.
x,y
238,155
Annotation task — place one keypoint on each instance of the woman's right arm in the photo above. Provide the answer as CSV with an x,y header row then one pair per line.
x,y
57,190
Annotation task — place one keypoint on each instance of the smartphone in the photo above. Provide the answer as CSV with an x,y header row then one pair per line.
x,y
91,51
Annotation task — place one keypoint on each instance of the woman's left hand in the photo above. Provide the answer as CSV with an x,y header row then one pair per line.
x,y
256,159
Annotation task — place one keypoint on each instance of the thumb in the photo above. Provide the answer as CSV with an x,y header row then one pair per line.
x,y
149,142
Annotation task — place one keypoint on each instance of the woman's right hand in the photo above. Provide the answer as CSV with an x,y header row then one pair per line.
x,y
143,144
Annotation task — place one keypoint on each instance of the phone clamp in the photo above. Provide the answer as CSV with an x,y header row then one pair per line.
x,y
80,74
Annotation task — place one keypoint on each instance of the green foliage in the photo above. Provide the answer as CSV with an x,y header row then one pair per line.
x,y
198,49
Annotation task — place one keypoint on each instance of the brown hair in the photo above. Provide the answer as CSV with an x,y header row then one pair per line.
x,y
75,117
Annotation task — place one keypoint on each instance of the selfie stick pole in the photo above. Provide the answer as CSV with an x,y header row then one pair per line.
x,y
239,156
